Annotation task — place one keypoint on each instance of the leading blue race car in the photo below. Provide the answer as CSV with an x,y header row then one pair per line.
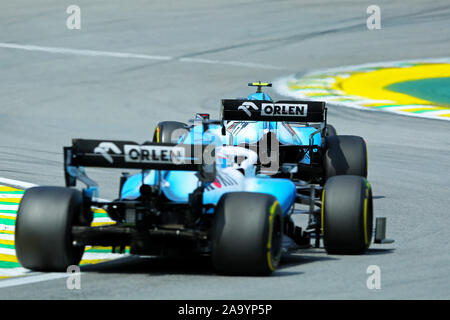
x,y
293,140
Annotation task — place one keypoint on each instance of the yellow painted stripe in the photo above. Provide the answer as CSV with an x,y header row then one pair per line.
x,y
319,94
5,188
157,134
8,257
7,217
374,104
3,277
15,200
93,261
372,84
7,231
8,242
445,115
95,224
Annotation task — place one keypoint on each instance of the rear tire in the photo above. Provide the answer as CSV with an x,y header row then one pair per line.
x,y
165,129
345,155
347,215
43,234
247,234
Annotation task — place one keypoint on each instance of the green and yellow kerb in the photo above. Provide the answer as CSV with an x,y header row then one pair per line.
x,y
420,89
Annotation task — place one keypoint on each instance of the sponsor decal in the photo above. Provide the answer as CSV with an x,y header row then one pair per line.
x,y
151,154
275,109
104,147
141,153
246,106
284,109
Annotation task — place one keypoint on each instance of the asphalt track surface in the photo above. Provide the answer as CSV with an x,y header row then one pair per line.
x,y
47,98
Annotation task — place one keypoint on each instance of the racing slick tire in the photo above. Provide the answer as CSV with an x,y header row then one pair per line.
x,y
330,130
44,223
347,215
247,234
345,155
163,131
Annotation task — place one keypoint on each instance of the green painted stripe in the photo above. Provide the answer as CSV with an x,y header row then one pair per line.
x,y
106,250
424,111
366,69
388,105
101,215
12,192
7,246
406,64
99,250
9,265
8,222
432,89
8,211
11,203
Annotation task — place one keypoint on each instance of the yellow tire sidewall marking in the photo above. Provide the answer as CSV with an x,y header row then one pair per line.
x,y
157,134
365,222
366,200
269,242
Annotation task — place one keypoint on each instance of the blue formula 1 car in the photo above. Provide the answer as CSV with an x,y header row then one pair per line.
x,y
188,199
293,140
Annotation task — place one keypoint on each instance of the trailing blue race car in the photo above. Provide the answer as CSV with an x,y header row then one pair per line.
x,y
178,204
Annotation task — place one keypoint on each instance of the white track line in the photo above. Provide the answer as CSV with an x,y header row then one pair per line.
x,y
17,183
125,55
82,52
32,278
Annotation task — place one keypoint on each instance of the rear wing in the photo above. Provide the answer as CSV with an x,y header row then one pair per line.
x,y
131,155
284,110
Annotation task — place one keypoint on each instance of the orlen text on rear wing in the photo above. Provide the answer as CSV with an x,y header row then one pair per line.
x,y
284,110
131,155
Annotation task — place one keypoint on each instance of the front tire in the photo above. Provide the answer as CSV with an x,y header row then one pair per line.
x,y
247,234
43,234
347,215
